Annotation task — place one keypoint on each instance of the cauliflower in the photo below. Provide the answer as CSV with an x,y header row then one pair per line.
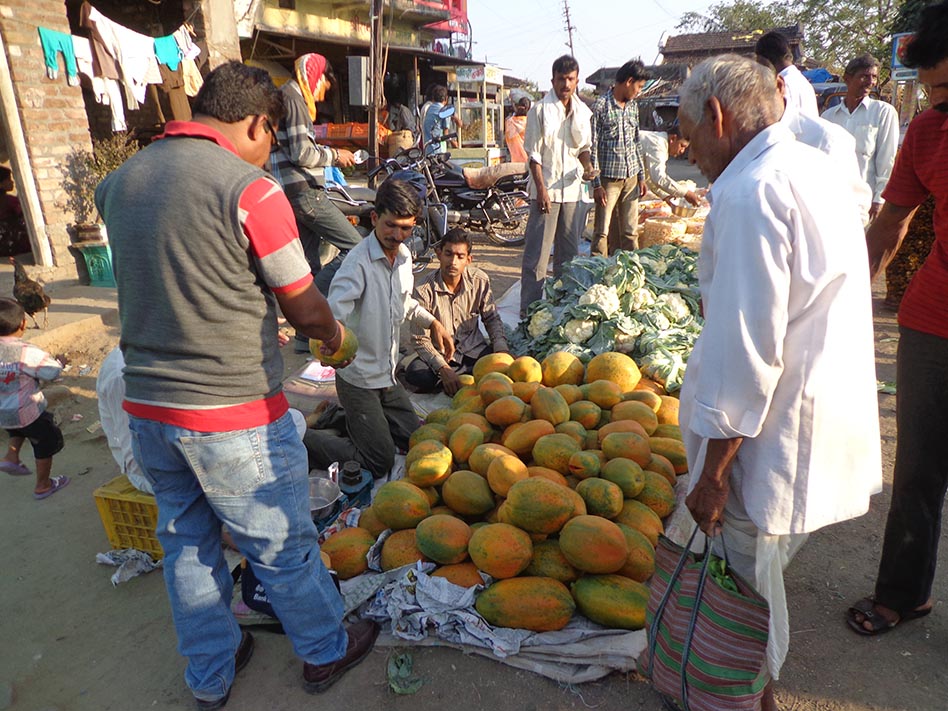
x,y
641,298
579,330
605,297
540,324
625,343
673,306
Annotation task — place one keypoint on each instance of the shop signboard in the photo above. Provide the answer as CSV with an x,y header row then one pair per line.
x,y
899,71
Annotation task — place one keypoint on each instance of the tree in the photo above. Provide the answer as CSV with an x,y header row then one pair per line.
x,y
739,15
838,31
835,31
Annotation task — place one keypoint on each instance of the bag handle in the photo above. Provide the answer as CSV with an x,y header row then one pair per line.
x,y
656,622
689,635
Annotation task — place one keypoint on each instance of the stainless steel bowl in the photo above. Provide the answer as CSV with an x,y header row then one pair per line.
x,y
682,208
323,493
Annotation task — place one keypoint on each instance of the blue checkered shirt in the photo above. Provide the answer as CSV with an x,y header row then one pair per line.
x,y
616,151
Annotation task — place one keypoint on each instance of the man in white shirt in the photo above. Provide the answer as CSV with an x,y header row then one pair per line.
x,y
787,346
371,295
558,142
832,140
774,47
657,146
873,123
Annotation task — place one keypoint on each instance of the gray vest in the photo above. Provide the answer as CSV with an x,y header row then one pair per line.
x,y
198,324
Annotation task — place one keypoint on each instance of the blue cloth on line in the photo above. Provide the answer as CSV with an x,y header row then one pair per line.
x,y
168,51
52,43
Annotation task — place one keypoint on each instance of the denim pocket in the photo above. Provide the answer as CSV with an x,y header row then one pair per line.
x,y
227,463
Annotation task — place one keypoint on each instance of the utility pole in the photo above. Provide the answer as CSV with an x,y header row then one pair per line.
x,y
569,27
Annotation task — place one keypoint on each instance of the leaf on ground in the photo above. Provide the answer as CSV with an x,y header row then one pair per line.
x,y
399,674
886,387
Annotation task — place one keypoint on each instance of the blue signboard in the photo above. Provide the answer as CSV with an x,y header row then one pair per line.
x,y
899,71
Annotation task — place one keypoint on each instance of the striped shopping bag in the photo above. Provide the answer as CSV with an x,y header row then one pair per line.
x,y
707,644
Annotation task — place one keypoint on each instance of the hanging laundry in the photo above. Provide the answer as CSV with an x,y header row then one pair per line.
x,y
168,52
173,86
107,91
53,43
134,52
103,63
185,39
193,81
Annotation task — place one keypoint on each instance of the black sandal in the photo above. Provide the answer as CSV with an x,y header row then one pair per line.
x,y
879,624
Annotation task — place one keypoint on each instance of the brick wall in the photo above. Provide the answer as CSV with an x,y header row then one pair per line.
x,y
52,113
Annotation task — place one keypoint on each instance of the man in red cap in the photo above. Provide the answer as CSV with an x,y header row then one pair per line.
x,y
297,161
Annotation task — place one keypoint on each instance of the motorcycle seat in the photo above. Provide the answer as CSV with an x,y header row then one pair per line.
x,y
482,178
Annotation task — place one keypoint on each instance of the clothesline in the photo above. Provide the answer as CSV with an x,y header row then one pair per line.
x,y
117,60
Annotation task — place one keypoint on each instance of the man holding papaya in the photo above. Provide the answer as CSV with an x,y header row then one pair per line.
x,y
787,346
371,295
211,427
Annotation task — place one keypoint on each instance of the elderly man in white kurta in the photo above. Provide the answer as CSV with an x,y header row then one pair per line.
x,y
778,407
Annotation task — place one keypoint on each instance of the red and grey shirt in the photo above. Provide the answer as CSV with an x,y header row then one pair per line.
x,y
201,242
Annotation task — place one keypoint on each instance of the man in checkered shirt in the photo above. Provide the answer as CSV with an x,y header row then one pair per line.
x,y
617,154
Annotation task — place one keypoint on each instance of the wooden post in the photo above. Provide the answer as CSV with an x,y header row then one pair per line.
x,y
375,86
26,186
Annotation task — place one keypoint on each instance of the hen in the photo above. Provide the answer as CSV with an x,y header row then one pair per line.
x,y
29,293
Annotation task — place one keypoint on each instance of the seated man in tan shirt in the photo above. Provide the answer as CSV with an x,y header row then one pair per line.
x,y
457,295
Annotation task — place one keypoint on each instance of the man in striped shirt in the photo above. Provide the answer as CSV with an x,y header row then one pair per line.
x,y
617,153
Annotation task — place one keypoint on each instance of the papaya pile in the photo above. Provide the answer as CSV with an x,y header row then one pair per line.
x,y
551,477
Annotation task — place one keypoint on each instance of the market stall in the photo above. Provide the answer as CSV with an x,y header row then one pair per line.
x,y
479,96
523,520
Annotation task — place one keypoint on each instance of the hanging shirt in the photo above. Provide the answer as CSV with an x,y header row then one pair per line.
x,y
786,358
554,140
373,297
133,51
54,43
875,126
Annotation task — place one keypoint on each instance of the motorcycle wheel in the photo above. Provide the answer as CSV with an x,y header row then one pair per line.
x,y
508,234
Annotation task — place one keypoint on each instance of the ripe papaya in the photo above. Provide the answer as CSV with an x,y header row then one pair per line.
x,y
554,451
521,438
400,504
536,604
345,352
586,413
547,404
505,411
673,450
443,539
549,562
484,454
491,363
500,550
602,497
525,369
615,367
627,444
503,472
625,474
400,549
561,368
538,505
347,550
465,575
612,600
638,411
593,544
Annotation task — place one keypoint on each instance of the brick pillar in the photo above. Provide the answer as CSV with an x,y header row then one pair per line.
x,y
52,114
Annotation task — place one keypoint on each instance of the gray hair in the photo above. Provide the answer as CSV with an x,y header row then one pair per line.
x,y
858,64
743,87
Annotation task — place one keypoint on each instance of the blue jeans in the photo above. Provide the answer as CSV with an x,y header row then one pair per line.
x,y
255,481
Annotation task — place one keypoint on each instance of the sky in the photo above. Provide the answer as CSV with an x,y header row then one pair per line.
x,y
525,36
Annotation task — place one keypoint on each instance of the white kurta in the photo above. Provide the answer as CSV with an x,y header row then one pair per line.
x,y
786,359
840,146
799,92
555,139
875,127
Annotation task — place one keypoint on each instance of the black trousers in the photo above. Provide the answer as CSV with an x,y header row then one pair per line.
x,y
425,380
378,422
913,527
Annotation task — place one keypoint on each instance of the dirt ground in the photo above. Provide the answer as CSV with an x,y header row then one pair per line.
x,y
72,642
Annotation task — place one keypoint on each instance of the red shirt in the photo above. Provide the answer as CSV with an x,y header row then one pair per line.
x,y
921,169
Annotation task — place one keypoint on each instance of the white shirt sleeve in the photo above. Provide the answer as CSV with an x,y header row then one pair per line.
x,y
887,144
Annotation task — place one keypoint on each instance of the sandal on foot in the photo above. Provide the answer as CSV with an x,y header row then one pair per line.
x,y
57,483
879,624
14,469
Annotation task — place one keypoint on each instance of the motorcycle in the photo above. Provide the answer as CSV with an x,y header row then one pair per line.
x,y
492,200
